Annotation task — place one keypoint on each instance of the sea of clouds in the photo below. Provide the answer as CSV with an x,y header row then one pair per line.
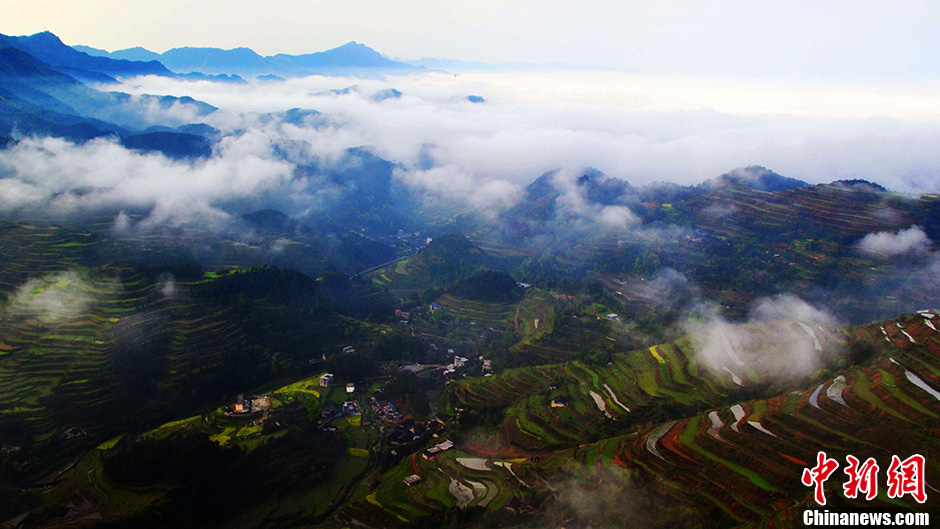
x,y
637,127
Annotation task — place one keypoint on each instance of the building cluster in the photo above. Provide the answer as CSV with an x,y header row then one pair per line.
x,y
456,364
332,410
385,410
350,408
402,315
407,431
410,430
245,404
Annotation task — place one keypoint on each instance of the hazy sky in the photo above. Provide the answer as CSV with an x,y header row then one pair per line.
x,y
862,38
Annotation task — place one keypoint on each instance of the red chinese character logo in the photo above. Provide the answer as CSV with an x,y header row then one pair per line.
x,y
864,479
819,474
907,477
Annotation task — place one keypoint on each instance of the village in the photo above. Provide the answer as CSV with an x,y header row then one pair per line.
x,y
341,403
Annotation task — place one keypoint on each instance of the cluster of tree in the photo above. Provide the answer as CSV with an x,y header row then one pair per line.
x,y
408,393
488,285
179,459
451,257
13,500
284,286
352,367
208,479
396,346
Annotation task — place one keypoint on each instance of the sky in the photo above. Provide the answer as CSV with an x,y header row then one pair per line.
x,y
842,38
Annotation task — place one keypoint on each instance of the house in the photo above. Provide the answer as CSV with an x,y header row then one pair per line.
x,y
350,388
240,405
435,307
411,480
326,380
349,349
443,446
613,317
559,402
330,410
487,365
75,432
351,407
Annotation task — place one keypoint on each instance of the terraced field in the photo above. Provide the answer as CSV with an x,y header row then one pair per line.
x,y
484,314
553,340
663,380
820,209
747,459
439,265
600,398
743,458
56,351
28,250
451,482
535,316
113,347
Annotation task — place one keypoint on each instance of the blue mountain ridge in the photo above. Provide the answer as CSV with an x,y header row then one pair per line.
x,y
49,49
351,57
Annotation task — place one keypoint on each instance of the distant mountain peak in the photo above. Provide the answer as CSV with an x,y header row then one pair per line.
x,y
756,177
45,36
49,49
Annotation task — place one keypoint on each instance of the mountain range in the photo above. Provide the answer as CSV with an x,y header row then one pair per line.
x,y
42,97
350,58
49,49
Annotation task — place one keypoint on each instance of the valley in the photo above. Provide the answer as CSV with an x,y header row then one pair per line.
x,y
397,309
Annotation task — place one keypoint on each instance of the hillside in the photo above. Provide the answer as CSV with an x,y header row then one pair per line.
x,y
445,260
109,347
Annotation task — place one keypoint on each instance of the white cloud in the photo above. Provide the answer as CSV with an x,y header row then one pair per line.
x,y
885,243
780,340
638,127
41,172
453,183
56,298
